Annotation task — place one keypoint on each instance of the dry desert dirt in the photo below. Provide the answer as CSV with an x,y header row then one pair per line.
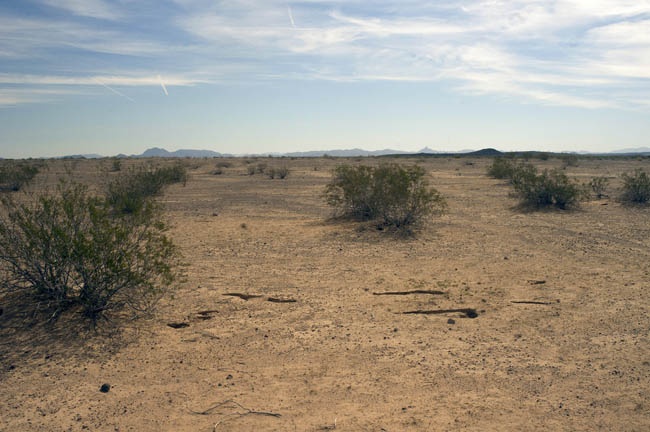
x,y
560,340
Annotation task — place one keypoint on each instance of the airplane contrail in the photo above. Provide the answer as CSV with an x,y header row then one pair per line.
x,y
293,24
162,84
113,90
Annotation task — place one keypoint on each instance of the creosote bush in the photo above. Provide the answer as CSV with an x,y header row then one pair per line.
x,y
395,195
224,164
636,187
570,160
280,173
69,250
129,192
598,186
13,176
501,168
550,188
508,169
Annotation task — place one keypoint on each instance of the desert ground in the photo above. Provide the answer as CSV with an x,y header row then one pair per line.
x,y
575,357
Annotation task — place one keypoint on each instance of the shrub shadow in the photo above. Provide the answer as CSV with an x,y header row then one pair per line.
x,y
28,335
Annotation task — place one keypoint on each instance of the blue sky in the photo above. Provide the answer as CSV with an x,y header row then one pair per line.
x,y
244,76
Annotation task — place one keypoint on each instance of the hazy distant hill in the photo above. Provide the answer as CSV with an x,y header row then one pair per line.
x,y
644,150
344,153
83,156
356,152
160,152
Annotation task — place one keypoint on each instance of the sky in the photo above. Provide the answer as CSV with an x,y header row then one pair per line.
x,y
259,76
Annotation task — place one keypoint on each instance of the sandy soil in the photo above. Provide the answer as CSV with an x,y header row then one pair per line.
x,y
340,357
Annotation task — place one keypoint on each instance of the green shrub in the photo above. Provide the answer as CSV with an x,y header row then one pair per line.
x,y
69,250
396,195
550,188
522,173
13,176
636,187
280,173
598,186
116,165
128,193
218,171
224,164
507,169
571,161
261,167
501,168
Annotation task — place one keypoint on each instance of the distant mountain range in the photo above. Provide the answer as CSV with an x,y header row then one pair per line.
x,y
356,152
159,152
644,150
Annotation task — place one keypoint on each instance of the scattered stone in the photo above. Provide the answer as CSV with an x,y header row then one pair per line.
x,y
451,321
178,325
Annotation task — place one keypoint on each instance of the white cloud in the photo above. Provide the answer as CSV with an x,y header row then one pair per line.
x,y
116,80
585,53
88,8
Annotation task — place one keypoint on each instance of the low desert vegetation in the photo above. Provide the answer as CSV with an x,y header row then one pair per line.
x,y
224,164
570,160
279,173
501,168
116,165
392,194
261,167
130,191
548,188
70,251
250,169
636,187
598,186
13,176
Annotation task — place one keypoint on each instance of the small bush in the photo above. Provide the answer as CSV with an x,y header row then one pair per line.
x,y
550,188
261,167
218,171
69,250
13,176
397,196
636,187
128,193
598,186
501,168
280,173
116,165
507,169
571,161
251,169
224,164
522,173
